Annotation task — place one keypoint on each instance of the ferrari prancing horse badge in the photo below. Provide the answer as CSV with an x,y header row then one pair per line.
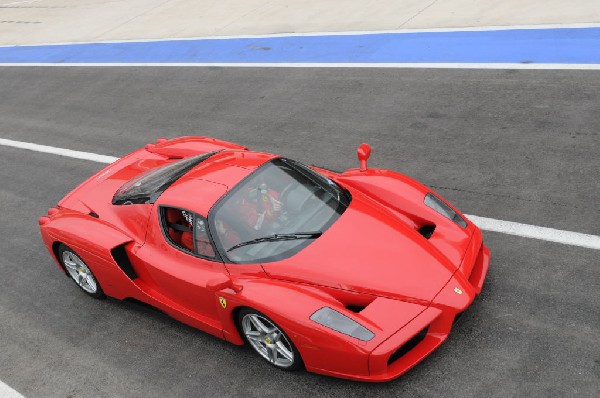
x,y
223,302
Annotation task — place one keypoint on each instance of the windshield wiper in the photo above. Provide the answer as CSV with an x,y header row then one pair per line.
x,y
277,237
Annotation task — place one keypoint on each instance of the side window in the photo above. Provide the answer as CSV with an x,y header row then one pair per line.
x,y
187,231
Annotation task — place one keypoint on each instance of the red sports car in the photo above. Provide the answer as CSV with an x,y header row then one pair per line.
x,y
359,274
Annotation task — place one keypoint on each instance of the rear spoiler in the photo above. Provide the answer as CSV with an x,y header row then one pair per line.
x,y
183,147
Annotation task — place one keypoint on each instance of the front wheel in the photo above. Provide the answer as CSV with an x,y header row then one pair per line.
x,y
79,271
269,340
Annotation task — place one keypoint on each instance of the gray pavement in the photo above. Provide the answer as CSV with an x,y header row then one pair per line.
x,y
515,145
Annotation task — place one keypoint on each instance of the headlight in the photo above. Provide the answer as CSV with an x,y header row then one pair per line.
x,y
438,205
339,322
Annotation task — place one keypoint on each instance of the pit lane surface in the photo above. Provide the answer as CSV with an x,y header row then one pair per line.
x,y
512,145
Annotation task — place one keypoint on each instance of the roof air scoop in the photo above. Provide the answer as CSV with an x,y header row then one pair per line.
x,y
363,153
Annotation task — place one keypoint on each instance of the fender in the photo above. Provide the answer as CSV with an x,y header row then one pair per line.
x,y
93,240
405,198
395,190
291,306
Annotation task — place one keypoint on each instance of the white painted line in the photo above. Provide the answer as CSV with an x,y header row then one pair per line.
x,y
346,33
535,232
58,151
7,392
488,224
325,65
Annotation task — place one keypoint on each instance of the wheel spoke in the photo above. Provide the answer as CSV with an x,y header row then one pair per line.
x,y
255,339
254,336
281,348
71,268
258,324
275,336
272,349
68,260
90,282
255,322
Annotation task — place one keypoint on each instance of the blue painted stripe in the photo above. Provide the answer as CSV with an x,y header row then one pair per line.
x,y
557,45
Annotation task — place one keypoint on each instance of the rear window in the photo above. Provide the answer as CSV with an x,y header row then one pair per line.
x,y
148,186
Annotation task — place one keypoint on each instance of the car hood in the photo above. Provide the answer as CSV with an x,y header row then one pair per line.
x,y
369,250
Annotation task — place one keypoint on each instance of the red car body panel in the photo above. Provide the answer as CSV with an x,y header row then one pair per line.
x,y
371,265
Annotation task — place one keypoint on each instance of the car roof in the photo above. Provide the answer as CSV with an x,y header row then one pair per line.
x,y
200,188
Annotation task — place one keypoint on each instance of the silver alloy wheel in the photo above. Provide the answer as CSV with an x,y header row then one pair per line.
x,y
268,340
80,272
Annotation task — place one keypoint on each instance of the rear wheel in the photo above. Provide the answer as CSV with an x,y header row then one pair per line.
x,y
269,340
78,271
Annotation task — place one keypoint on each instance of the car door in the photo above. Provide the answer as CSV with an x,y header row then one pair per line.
x,y
180,263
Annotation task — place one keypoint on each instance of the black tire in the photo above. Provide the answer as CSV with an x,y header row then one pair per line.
x,y
68,258
286,341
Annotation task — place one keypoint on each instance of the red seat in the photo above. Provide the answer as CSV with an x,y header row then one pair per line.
x,y
181,238
187,240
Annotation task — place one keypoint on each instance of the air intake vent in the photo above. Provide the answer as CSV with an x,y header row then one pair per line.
x,y
427,231
355,308
409,345
122,260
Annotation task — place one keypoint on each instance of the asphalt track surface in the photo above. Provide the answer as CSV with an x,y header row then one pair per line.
x,y
514,145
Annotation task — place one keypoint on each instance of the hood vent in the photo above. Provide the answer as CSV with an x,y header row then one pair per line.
x,y
427,231
355,308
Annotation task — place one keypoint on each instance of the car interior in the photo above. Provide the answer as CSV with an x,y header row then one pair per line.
x,y
179,229
178,224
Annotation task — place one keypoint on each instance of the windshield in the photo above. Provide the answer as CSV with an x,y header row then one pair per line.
x,y
148,186
266,216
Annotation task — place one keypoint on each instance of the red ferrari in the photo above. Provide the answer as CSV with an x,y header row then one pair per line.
x,y
358,275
